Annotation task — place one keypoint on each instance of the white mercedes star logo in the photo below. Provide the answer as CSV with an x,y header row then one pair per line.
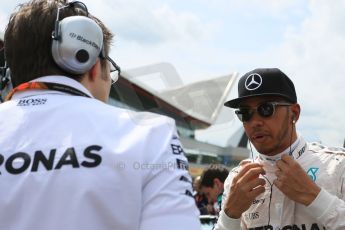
x,y
253,81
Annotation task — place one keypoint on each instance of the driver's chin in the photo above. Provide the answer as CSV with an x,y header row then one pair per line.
x,y
265,150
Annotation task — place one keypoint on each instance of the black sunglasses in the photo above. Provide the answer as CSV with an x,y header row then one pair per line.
x,y
265,109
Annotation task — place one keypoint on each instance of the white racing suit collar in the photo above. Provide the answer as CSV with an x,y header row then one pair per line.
x,y
295,150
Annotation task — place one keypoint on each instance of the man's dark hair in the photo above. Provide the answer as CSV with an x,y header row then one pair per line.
x,y
28,40
213,171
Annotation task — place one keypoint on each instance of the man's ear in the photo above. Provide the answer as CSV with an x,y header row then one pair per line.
x,y
217,182
296,110
94,71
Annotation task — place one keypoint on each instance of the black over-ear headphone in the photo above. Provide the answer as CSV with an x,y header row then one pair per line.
x,y
77,41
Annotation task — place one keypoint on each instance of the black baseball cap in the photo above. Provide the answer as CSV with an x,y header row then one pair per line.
x,y
264,82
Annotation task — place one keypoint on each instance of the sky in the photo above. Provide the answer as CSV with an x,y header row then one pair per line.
x,y
204,39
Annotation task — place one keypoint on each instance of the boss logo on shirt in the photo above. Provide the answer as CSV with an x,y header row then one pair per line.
x,y
20,162
32,102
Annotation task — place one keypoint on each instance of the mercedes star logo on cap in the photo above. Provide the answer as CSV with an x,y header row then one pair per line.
x,y
253,81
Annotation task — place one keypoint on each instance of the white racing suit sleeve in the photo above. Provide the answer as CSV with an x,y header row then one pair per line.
x,y
328,207
329,210
224,222
168,202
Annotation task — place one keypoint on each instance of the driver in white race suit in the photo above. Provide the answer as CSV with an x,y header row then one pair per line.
x,y
68,160
291,184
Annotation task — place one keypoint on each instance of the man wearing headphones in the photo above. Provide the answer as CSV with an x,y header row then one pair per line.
x,y
291,184
67,159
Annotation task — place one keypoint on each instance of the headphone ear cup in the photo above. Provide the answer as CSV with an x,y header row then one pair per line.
x,y
78,45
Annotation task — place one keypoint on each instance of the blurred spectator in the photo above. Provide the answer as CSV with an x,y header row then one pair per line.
x,y
212,184
200,198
